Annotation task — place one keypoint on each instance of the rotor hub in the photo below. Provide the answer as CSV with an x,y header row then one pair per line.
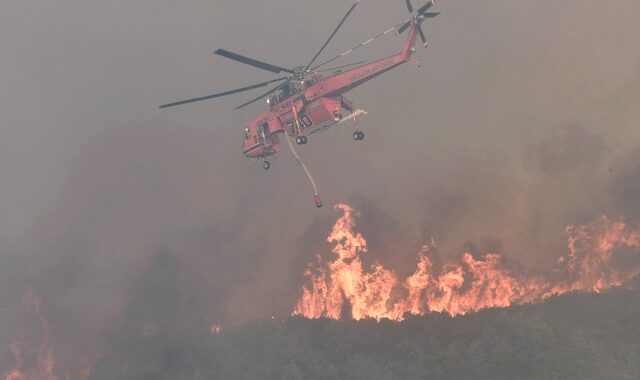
x,y
299,72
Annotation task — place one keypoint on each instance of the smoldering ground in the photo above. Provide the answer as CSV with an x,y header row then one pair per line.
x,y
126,220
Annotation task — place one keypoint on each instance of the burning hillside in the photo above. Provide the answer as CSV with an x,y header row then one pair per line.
x,y
32,361
600,255
345,287
32,349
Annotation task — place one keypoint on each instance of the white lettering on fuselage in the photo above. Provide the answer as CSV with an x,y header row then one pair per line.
x,y
366,73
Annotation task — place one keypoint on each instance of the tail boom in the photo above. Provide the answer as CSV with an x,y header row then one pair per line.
x,y
348,80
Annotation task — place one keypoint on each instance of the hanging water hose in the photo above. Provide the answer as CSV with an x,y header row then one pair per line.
x,y
316,197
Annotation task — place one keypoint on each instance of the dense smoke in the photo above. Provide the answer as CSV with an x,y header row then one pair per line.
x,y
125,221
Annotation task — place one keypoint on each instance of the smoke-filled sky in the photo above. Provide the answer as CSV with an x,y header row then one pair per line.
x,y
522,118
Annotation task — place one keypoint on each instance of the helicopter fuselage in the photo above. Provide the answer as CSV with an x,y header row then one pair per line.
x,y
318,104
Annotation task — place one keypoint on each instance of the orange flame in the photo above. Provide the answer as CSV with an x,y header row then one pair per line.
x,y
32,351
343,287
216,328
44,363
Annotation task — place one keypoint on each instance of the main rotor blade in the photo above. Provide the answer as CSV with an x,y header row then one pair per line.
x,y
425,7
332,34
370,40
263,95
221,94
409,6
252,62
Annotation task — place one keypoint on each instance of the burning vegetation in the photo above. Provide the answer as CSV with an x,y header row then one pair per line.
x,y
33,361
32,349
437,304
344,287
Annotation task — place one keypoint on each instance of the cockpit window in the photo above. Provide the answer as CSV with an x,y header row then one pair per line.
x,y
292,87
262,132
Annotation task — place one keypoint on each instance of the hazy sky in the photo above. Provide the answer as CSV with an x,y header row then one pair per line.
x,y
523,118
74,71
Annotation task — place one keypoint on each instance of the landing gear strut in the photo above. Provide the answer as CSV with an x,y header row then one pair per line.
x,y
301,140
358,135
266,165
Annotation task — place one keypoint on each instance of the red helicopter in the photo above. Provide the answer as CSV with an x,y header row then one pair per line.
x,y
307,102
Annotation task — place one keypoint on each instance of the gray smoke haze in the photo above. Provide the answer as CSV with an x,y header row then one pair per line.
x,y
522,119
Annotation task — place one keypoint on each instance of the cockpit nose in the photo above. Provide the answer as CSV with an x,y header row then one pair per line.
x,y
258,140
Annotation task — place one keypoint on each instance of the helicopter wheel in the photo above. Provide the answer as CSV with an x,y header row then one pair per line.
x,y
266,165
358,136
301,140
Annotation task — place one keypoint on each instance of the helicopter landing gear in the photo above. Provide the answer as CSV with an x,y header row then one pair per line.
x,y
301,140
266,165
357,135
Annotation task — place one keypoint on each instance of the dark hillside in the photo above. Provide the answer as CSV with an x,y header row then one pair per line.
x,y
577,336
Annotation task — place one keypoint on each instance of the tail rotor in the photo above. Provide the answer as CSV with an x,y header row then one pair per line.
x,y
418,17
